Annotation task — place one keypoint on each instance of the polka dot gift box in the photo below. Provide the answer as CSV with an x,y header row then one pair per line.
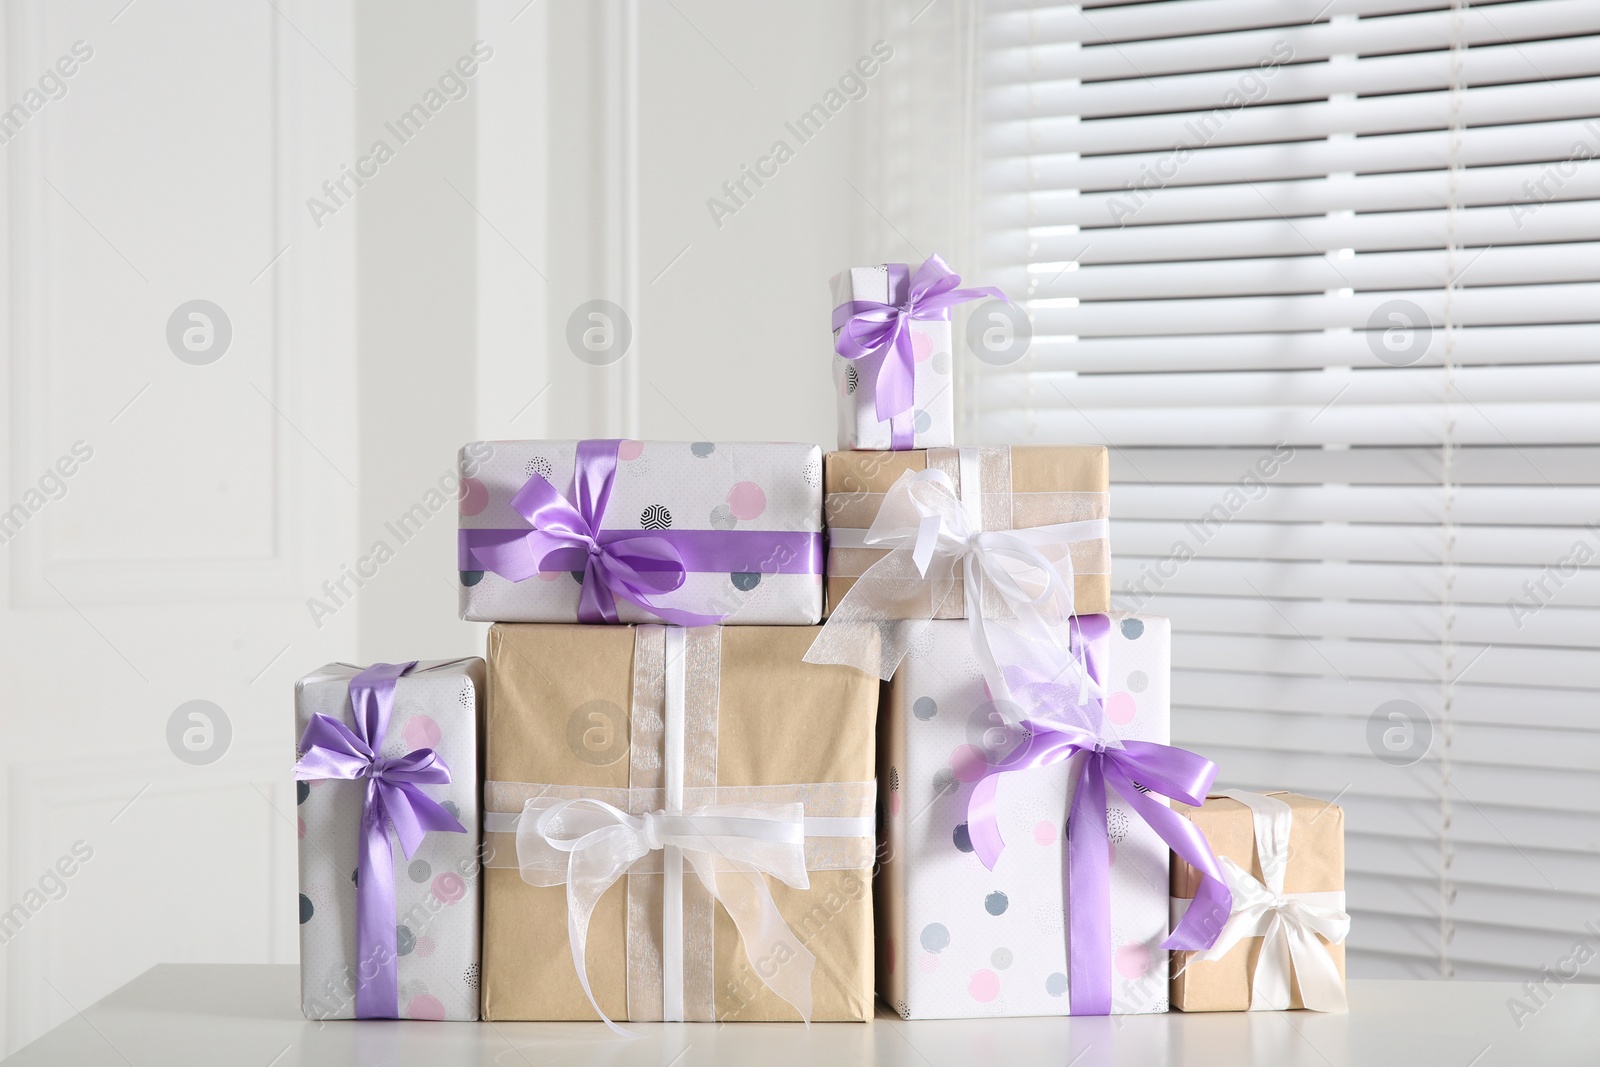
x,y
431,899
894,356
959,940
619,531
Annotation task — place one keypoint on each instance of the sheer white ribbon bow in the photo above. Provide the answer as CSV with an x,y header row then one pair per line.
x,y
929,534
1287,923
588,844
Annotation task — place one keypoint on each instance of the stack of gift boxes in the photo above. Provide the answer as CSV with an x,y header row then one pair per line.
x,y
670,795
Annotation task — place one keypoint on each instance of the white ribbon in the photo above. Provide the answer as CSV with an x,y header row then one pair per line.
x,y
1287,923
588,844
929,530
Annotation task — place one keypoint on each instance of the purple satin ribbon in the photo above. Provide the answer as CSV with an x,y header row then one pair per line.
x,y
1163,769
330,749
631,565
879,336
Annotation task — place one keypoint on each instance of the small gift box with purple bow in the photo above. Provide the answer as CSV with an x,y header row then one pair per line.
x,y
609,531
389,754
1028,830
894,356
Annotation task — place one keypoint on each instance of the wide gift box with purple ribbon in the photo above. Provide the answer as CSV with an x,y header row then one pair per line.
x,y
609,531
1028,834
389,754
894,359
680,824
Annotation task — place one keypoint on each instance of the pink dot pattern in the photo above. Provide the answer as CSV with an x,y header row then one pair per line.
x,y
984,986
747,501
425,1006
628,450
420,731
921,346
1120,708
968,763
1044,832
449,887
1132,960
474,496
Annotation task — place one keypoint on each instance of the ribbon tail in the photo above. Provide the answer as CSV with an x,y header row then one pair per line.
x,y
778,957
1203,923
1321,988
983,821
1089,894
895,390
1271,984
584,890
377,960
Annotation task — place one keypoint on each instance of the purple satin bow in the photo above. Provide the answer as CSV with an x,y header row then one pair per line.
x,y
879,335
631,565
1134,770
330,749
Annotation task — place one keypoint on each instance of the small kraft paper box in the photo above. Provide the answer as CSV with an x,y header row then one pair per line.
x,y
688,533
420,960
690,749
1058,496
959,940
1269,956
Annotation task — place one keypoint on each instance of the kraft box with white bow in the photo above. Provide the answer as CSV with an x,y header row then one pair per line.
x,y
1055,497
1282,855
680,824
959,939
608,531
389,932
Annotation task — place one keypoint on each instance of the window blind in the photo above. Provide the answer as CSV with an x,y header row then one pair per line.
x,y
1326,278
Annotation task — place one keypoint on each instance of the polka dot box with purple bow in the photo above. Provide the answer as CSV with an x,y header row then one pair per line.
x,y
956,940
668,487
438,705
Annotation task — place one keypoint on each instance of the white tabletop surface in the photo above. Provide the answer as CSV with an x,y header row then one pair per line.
x,y
175,1015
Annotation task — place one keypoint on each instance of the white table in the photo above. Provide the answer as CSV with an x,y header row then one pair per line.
x,y
248,1016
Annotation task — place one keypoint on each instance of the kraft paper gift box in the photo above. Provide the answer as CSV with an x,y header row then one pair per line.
x,y
1061,493
892,338
687,533
426,724
656,719
1284,946
960,939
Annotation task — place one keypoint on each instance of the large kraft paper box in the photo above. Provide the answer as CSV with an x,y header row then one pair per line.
x,y
438,705
558,696
957,940
1316,865
1023,486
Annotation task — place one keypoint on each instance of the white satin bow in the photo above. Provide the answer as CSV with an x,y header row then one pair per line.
x,y
929,533
1287,923
589,844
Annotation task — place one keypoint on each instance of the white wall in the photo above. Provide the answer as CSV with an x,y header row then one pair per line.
x,y
730,321
427,308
